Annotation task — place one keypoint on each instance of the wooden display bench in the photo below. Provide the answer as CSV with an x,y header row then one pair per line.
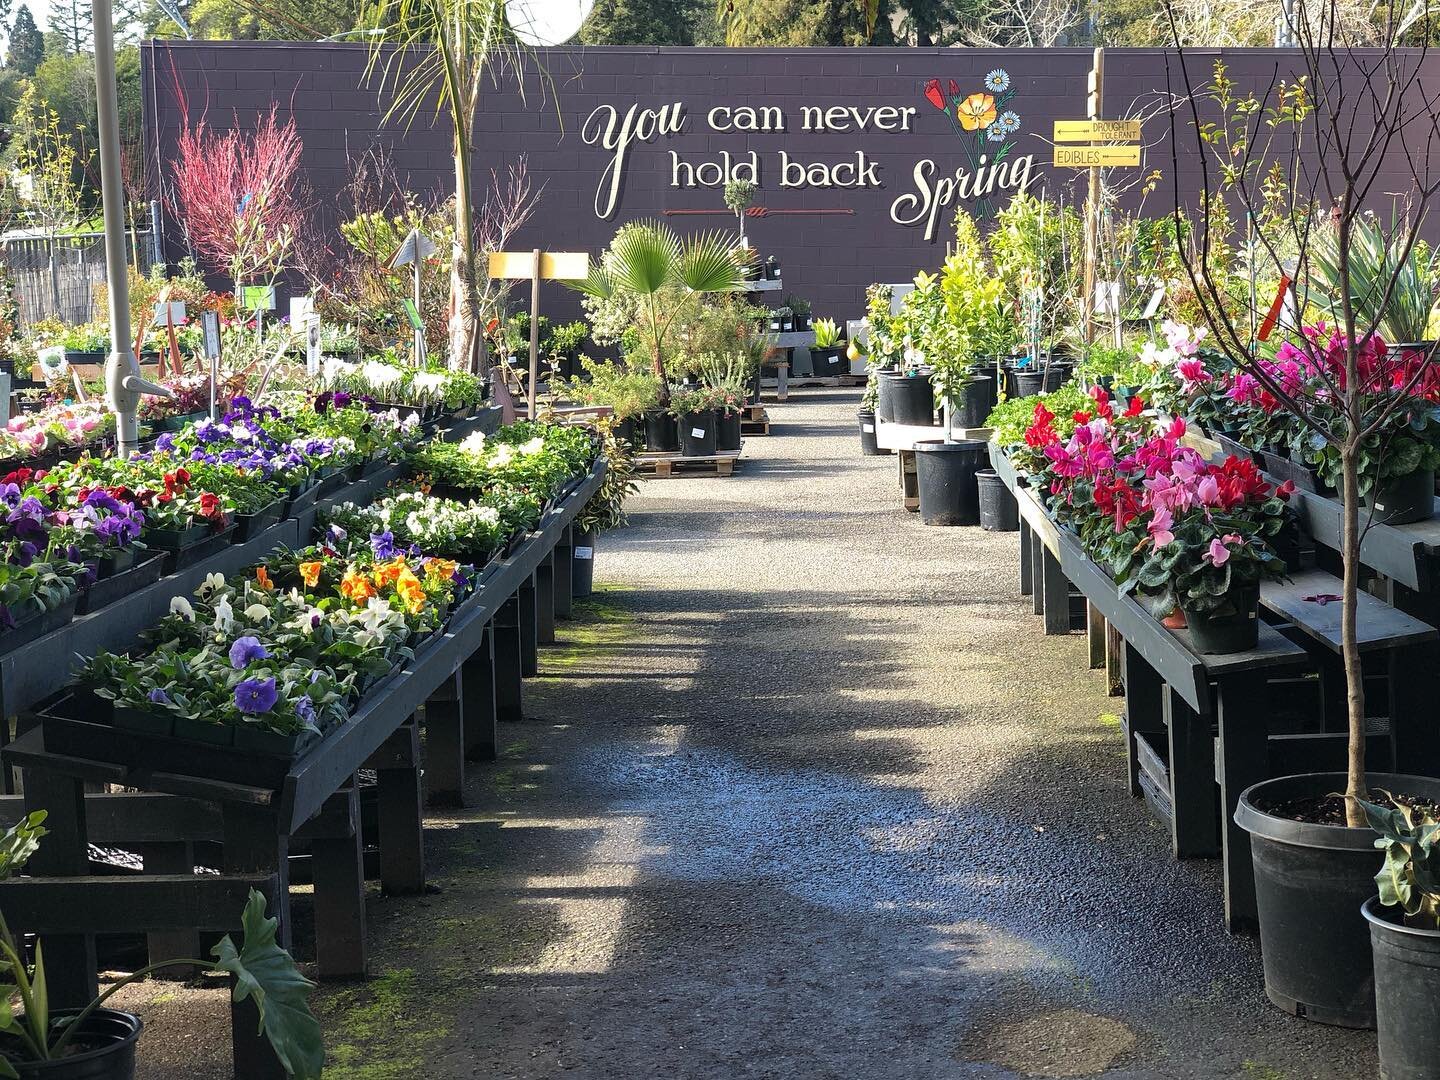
x,y
1199,729
901,438
663,466
462,682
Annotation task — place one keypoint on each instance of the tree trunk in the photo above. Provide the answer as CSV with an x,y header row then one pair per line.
x,y
467,342
1350,649
659,366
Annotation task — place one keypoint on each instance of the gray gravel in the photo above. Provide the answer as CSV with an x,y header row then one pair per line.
x,y
807,794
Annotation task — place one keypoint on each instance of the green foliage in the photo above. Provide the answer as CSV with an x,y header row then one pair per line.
x,y
1409,835
1391,290
628,389
827,333
1036,249
27,44
1010,418
641,22
47,159
606,508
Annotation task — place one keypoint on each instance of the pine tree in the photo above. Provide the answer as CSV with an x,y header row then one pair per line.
x,y
71,20
27,44
641,22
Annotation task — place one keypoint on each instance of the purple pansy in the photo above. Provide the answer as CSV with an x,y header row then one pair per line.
x,y
256,695
245,650
158,696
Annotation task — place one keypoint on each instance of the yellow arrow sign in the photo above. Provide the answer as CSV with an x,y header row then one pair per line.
x,y
1091,157
1097,130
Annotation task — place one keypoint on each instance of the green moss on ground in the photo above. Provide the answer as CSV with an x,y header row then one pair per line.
x,y
1254,1070
599,628
384,1030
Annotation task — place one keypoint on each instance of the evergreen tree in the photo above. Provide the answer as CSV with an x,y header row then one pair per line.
x,y
27,45
70,19
641,22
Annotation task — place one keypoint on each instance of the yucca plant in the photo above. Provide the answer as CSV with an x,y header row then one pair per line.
x,y
1391,282
664,274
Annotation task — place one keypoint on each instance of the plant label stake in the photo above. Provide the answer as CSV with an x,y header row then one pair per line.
x,y
413,251
210,325
170,314
538,265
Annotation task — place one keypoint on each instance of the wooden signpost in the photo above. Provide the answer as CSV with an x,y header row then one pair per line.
x,y
538,266
1093,157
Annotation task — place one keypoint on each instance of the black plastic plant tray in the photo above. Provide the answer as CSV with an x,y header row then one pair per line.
x,y
119,585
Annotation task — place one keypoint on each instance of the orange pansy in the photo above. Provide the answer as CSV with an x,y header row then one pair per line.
x,y
263,577
310,573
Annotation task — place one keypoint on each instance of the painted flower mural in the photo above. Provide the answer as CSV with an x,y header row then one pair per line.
x,y
983,120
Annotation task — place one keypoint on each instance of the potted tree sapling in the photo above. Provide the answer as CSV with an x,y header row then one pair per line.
x,y
663,276
739,195
1310,844
98,1043
695,412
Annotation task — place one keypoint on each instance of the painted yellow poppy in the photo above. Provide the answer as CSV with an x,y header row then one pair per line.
x,y
976,111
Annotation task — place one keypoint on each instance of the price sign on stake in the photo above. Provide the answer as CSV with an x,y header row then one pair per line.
x,y
538,266
210,331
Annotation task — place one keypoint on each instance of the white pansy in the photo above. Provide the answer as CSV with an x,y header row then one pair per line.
x,y
224,615
212,583
180,606
474,444
257,613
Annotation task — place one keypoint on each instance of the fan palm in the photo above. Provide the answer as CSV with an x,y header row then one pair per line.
x,y
441,51
1391,283
664,275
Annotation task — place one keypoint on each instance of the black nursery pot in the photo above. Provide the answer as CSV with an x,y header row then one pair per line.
x,y
827,362
727,429
1404,500
976,402
999,512
697,434
1310,883
912,399
108,1038
625,431
885,398
1232,628
1028,382
582,564
869,446
945,474
1407,995
662,434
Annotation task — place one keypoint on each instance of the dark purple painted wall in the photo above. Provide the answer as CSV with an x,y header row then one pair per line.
x,y
827,257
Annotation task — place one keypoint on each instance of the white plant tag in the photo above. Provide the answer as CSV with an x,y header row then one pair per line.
x,y
697,433
867,428
584,553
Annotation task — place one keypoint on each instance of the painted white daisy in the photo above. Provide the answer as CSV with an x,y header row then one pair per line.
x,y
998,81
996,133
1010,120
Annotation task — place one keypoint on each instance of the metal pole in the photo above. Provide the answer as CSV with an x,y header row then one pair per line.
x,y
419,358
534,332
123,384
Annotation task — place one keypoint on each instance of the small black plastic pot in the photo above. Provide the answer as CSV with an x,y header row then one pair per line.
x,y
976,401
945,475
1233,627
999,512
1407,994
1310,883
727,430
662,434
1403,500
108,1039
885,399
697,434
582,565
868,444
912,399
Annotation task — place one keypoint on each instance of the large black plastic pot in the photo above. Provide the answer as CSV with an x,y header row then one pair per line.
x,y
625,431
727,430
945,474
1407,994
582,564
976,401
912,399
828,362
662,434
1310,883
108,1039
868,444
1233,627
998,510
1028,382
1402,500
884,399
697,434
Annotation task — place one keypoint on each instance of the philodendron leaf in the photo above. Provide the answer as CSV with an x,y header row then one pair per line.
x,y
265,972
1394,882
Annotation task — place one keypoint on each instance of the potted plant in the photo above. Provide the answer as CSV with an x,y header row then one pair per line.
x,y
772,268
695,413
563,346
825,353
1405,936
605,510
738,196
799,312
97,1043
781,320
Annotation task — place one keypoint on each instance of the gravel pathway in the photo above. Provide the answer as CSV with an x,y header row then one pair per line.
x,y
805,794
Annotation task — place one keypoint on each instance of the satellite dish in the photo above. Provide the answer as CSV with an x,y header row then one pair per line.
x,y
546,22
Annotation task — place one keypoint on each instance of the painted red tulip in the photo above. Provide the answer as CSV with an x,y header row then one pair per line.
x,y
933,94
955,94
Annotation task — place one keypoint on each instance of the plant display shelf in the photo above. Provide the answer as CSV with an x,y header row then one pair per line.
x,y
466,680
1199,729
901,438
663,466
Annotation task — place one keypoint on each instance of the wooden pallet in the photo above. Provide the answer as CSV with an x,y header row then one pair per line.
x,y
800,381
852,380
755,421
754,411
662,466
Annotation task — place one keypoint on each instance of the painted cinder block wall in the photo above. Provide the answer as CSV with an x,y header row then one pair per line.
x,y
829,258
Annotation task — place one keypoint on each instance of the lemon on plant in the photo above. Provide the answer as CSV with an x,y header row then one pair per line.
x,y
853,352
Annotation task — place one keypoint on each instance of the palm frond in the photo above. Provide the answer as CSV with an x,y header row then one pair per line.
x,y
707,263
644,256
